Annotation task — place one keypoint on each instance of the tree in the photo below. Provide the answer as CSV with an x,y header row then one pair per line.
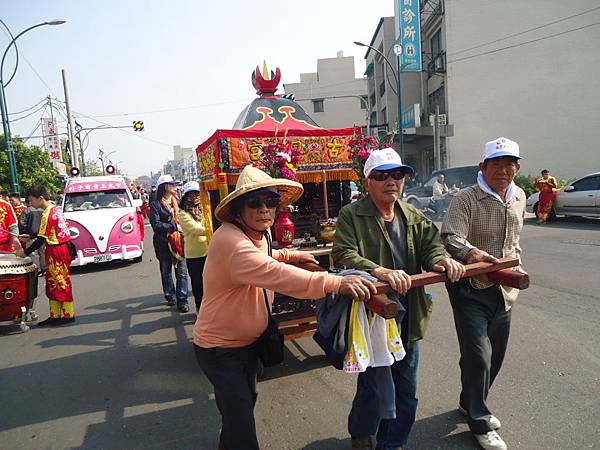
x,y
33,166
92,169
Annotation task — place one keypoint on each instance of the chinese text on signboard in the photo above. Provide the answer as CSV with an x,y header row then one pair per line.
x,y
51,142
410,35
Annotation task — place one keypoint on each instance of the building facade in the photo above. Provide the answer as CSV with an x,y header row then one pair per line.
x,y
418,136
332,96
527,71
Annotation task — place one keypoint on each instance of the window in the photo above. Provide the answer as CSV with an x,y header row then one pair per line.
x,y
437,98
363,102
436,43
384,116
382,88
318,106
372,100
587,184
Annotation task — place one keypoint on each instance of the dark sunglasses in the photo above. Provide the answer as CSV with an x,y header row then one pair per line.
x,y
382,176
256,202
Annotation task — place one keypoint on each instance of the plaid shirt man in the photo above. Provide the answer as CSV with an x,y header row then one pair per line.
x,y
478,219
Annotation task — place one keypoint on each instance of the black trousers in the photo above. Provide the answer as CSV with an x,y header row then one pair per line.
x,y
482,326
195,268
232,372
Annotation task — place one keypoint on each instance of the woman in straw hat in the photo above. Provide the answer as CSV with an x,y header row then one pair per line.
x,y
233,314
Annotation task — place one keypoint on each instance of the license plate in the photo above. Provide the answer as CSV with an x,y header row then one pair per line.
x,y
102,258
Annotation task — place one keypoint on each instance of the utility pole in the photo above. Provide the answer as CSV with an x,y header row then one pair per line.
x,y
436,138
74,161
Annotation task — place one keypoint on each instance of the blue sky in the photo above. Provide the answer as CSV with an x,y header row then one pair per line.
x,y
129,60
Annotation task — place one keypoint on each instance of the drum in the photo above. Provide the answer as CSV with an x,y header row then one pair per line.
x,y
18,287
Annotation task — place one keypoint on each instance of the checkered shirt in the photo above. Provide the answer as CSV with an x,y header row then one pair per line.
x,y
475,218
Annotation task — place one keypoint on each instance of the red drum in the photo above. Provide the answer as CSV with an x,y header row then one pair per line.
x,y
18,288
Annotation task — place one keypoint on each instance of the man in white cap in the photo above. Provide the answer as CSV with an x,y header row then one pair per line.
x,y
483,223
391,240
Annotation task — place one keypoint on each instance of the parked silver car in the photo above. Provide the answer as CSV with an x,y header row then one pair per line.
x,y
580,198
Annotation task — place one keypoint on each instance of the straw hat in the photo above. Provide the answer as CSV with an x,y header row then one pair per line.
x,y
252,179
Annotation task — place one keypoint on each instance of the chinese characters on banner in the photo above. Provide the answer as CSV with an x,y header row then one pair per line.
x,y
410,35
51,142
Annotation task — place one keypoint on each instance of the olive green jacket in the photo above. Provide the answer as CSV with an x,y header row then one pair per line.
x,y
362,242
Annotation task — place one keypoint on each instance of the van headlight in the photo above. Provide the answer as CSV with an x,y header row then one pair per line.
x,y
126,227
73,232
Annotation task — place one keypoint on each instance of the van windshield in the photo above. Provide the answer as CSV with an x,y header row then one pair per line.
x,y
85,201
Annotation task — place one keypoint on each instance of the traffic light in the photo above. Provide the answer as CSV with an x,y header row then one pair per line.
x,y
74,171
138,125
110,169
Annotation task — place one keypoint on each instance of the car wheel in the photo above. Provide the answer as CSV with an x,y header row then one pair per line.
x,y
552,215
138,259
535,211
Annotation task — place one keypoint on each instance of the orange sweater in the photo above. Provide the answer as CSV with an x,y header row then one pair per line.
x,y
233,312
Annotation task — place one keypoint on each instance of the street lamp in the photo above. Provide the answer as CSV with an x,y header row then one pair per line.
x,y
397,91
103,157
12,167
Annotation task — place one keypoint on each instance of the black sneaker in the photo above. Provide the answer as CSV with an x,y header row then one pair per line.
x,y
49,322
62,321
184,308
170,302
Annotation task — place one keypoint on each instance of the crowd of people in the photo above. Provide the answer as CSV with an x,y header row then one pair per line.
x,y
378,235
234,278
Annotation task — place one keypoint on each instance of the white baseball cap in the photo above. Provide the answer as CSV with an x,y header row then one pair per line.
x,y
385,159
191,186
501,147
166,179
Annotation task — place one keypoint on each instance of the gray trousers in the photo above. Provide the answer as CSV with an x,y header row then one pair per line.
x,y
482,326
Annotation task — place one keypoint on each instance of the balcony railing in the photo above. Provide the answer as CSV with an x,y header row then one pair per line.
x,y
430,10
437,64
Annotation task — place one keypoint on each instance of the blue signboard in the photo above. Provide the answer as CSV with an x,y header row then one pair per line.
x,y
410,35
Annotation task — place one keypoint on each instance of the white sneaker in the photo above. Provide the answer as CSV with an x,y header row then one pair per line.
x,y
494,421
491,441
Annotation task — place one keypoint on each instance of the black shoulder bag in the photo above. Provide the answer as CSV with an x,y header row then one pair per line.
x,y
270,342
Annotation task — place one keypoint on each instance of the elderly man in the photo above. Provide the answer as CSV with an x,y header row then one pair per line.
x,y
484,222
391,240
440,195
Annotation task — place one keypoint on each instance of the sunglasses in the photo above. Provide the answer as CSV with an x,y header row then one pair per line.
x,y
382,176
257,202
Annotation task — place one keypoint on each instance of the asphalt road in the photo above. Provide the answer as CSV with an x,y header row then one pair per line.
x,y
124,376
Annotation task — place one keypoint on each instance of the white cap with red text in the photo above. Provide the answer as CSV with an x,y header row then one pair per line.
x,y
385,159
501,147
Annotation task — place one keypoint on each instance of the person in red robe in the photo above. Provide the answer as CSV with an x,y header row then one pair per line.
x,y
9,230
547,185
54,232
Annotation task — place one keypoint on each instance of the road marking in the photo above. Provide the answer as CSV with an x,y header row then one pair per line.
x,y
138,410
211,396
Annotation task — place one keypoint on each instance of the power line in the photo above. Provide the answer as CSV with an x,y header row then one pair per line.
x,y
183,108
31,107
28,115
525,31
523,43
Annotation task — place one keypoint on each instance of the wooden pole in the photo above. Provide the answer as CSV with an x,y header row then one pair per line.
x,y
325,197
499,273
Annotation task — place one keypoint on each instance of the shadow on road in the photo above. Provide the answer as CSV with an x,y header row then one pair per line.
x,y
134,395
432,433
